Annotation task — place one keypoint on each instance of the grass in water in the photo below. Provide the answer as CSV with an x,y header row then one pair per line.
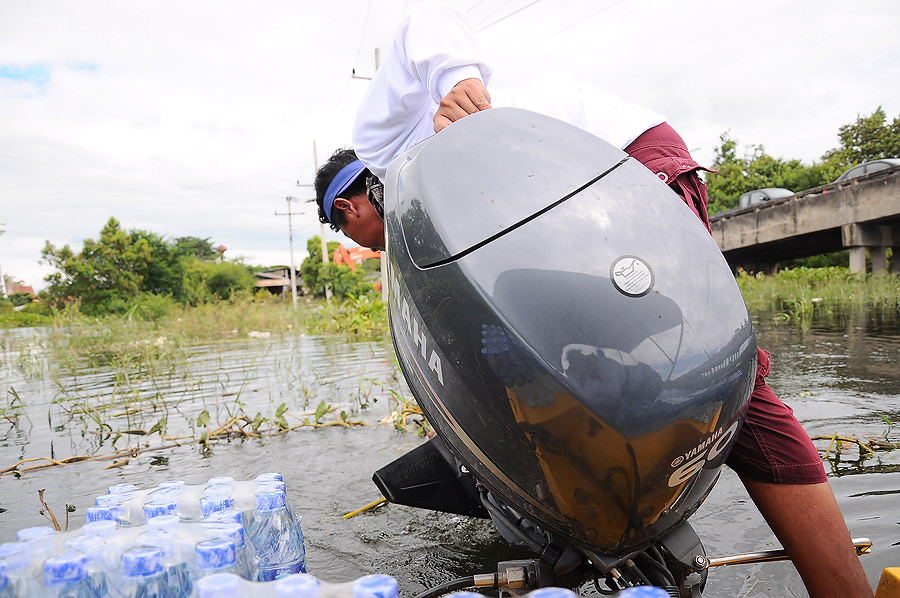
x,y
801,293
364,316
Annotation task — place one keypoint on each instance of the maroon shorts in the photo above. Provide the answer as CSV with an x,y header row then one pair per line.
x,y
772,446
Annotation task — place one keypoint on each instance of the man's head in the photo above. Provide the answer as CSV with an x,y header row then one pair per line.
x,y
343,199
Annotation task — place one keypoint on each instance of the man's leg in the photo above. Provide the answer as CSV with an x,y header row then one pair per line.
x,y
808,523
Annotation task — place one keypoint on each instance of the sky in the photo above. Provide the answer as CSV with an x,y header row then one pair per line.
x,y
200,117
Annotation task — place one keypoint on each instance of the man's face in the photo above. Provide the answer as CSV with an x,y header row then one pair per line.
x,y
365,227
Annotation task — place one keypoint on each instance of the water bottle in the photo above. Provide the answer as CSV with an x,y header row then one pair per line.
x,y
40,544
65,576
298,585
15,578
376,586
175,570
215,556
91,547
143,574
278,547
216,497
158,507
243,555
219,585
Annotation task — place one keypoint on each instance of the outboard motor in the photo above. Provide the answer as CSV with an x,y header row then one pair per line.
x,y
574,336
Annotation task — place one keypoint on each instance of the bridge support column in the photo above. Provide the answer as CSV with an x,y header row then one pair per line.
x,y
874,237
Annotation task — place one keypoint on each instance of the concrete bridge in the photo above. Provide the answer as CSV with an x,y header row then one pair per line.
x,y
861,214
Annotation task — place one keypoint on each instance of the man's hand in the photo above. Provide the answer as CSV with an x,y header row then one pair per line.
x,y
467,97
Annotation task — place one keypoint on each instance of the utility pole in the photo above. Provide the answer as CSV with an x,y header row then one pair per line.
x,y
291,238
321,224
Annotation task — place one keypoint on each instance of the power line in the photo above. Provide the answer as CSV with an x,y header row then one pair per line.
x,y
362,35
491,12
473,6
518,10
565,28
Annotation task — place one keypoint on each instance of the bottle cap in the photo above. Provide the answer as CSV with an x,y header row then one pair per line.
x,y
158,508
270,500
30,533
121,489
104,528
228,481
10,548
101,514
550,593
219,585
229,529
142,561
64,568
271,485
217,553
270,476
214,504
376,586
297,585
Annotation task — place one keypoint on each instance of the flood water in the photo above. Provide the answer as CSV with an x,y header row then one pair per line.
x,y
839,376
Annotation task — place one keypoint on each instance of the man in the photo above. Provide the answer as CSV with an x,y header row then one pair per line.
x,y
433,76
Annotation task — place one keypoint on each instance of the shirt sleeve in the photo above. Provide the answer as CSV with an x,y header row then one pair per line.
x,y
433,50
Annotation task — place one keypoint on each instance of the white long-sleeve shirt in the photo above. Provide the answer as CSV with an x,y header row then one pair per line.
x,y
433,50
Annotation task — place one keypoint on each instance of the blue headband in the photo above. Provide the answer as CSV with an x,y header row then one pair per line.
x,y
339,184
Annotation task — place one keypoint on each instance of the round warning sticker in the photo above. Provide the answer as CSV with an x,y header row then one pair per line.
x,y
632,276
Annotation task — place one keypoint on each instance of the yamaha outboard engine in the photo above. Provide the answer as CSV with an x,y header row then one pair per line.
x,y
575,338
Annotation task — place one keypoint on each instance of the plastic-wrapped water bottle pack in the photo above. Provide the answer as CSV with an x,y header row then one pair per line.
x,y
164,542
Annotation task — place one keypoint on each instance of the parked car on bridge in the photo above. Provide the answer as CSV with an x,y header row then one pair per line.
x,y
751,198
868,168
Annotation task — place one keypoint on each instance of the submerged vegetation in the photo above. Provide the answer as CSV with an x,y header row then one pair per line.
x,y
149,380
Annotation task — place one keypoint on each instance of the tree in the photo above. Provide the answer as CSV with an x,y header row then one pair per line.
x,y
20,298
342,279
105,270
124,268
195,246
159,275
869,138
